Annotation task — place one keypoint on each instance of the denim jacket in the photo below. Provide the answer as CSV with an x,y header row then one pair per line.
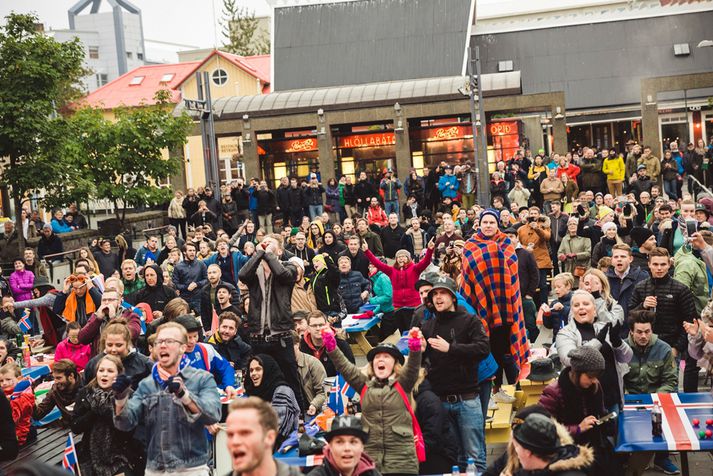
x,y
176,439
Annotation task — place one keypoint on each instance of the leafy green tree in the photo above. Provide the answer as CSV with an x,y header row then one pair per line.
x,y
38,77
240,28
124,159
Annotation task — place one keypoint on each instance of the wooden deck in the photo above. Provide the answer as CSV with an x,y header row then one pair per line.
x,y
48,448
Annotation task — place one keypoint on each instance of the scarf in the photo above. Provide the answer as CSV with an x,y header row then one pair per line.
x,y
491,286
265,283
70,306
161,376
272,378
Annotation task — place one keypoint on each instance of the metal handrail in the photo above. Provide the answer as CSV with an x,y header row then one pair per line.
x,y
708,190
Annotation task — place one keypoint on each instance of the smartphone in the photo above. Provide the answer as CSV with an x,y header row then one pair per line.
x,y
691,227
606,418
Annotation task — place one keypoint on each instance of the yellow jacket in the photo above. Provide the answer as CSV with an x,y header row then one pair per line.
x,y
614,169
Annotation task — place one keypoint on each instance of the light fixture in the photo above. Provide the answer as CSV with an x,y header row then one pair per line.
x,y
650,100
322,131
505,66
558,111
246,138
397,109
705,44
320,114
399,127
246,121
681,49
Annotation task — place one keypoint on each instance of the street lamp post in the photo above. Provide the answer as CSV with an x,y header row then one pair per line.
x,y
477,118
204,106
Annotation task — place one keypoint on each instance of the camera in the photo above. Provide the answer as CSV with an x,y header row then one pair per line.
x,y
581,211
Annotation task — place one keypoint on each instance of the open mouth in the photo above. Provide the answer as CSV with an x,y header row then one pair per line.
x,y
238,455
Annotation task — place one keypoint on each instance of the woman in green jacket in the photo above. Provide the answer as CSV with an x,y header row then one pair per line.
x,y
385,415
574,252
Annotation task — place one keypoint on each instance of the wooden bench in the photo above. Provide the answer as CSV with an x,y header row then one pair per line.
x,y
48,448
497,430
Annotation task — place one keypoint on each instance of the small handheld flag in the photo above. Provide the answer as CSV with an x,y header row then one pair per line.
x,y
25,323
339,395
69,461
214,323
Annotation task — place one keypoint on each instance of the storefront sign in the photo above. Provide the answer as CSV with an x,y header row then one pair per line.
x,y
367,140
503,128
448,133
301,145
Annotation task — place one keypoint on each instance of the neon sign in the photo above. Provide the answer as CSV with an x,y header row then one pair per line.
x,y
367,140
301,145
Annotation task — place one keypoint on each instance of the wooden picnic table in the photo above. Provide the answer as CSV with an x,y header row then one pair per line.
x,y
358,329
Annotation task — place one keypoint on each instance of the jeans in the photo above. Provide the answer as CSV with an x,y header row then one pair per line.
x,y
486,387
466,417
315,211
690,375
670,188
530,311
544,288
392,206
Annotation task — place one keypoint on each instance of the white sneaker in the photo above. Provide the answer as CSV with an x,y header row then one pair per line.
x,y
502,397
492,405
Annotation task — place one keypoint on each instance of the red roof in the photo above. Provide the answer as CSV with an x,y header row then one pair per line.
x,y
262,64
121,92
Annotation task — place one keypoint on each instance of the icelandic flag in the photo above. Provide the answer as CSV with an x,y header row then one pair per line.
x,y
339,395
25,323
69,461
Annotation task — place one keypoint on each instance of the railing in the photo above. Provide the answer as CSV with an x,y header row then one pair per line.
x,y
57,260
706,189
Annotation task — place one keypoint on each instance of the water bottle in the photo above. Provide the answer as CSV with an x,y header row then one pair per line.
x,y
656,420
471,470
455,470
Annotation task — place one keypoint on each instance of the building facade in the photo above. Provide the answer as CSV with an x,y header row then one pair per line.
x,y
598,54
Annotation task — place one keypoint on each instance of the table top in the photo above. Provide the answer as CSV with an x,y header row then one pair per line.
x,y
293,458
679,431
349,324
36,371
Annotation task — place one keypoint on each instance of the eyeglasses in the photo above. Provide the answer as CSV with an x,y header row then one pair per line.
x,y
168,341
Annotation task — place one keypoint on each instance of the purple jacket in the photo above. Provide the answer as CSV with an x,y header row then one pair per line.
x,y
21,283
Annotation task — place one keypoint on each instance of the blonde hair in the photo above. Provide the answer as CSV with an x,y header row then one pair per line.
x,y
568,278
606,289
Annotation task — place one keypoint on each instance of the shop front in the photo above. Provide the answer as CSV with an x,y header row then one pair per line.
x,y
450,140
288,154
369,149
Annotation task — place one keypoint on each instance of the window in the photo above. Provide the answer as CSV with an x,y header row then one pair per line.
x,y
140,56
102,79
166,78
137,80
129,55
220,77
94,52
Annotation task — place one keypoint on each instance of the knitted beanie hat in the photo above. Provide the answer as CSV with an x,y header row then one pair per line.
x,y
586,359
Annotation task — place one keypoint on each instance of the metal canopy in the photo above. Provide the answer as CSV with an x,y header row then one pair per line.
x,y
375,94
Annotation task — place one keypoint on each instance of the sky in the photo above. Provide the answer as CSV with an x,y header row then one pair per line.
x,y
188,22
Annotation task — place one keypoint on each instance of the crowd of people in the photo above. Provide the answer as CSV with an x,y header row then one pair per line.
x,y
246,296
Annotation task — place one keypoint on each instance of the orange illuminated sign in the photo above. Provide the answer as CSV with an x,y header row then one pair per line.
x,y
503,128
367,140
448,133
301,145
